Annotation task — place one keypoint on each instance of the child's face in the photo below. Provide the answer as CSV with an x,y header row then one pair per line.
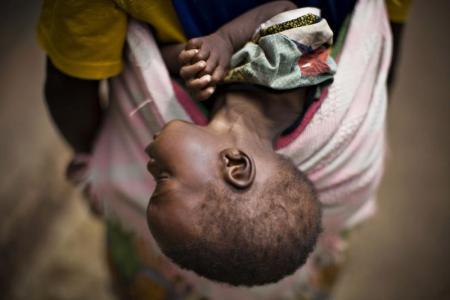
x,y
224,197
184,160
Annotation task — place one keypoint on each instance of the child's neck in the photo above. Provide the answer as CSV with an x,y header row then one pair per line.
x,y
261,114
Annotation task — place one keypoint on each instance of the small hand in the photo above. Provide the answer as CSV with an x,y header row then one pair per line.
x,y
192,73
205,62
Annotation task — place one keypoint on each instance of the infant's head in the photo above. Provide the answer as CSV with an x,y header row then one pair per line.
x,y
232,212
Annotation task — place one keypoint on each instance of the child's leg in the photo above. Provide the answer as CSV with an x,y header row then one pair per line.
x,y
74,107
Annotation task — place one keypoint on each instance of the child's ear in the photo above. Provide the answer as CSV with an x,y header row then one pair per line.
x,y
238,168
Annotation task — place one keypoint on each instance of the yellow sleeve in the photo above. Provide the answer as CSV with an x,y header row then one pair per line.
x,y
398,10
160,14
83,38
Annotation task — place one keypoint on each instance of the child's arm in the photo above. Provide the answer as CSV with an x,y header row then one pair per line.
x,y
205,59
74,107
241,29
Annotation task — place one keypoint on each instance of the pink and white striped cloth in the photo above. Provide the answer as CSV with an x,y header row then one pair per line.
x,y
340,144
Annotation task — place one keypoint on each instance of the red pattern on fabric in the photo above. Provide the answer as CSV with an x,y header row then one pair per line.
x,y
314,63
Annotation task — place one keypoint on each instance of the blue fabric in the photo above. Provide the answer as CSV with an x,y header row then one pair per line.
x,y
202,17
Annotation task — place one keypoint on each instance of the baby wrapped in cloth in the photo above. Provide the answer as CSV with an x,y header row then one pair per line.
x,y
339,143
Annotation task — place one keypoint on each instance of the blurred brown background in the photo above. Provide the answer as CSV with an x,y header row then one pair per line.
x,y
51,248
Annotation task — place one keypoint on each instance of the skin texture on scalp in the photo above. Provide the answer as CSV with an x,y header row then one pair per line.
x,y
248,242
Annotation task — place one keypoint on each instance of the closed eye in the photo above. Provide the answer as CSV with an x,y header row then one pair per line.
x,y
163,176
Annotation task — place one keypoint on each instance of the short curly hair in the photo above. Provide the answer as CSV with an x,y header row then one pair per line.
x,y
247,246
